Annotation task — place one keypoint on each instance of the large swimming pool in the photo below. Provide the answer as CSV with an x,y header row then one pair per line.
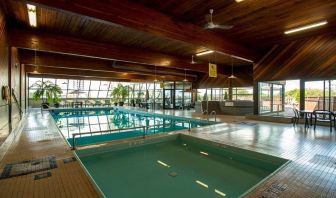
x,y
97,125
175,166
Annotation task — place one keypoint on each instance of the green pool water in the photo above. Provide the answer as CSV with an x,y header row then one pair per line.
x,y
176,167
116,124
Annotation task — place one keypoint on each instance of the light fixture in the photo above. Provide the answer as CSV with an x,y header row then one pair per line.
x,y
192,60
232,76
306,27
204,53
35,65
238,1
32,15
185,75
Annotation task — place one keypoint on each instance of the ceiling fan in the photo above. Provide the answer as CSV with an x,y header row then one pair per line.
x,y
212,25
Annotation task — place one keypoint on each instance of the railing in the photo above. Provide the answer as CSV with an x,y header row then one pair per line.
x,y
165,124
94,132
17,102
145,129
214,113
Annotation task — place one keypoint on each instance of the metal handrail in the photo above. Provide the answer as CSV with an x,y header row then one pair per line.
x,y
214,113
94,132
17,102
189,127
124,129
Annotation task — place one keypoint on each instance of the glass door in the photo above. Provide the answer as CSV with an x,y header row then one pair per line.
x,y
333,95
168,99
265,98
314,95
277,103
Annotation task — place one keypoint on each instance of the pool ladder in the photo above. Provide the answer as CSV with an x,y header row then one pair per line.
x,y
206,113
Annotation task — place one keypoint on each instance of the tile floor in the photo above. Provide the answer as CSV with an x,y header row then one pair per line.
x,y
311,172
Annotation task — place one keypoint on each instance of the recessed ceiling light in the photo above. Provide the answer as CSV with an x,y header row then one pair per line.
x,y
306,27
238,1
32,15
204,53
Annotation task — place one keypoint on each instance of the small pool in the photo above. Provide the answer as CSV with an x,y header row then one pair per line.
x,y
175,166
116,123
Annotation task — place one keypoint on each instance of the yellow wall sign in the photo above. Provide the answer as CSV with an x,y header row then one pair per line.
x,y
212,70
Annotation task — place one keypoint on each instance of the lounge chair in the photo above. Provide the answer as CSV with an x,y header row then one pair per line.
x,y
107,103
97,103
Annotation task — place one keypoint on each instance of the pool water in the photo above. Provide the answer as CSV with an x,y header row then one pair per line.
x,y
178,167
78,121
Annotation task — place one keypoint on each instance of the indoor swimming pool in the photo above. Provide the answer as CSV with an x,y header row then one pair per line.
x,y
97,125
176,166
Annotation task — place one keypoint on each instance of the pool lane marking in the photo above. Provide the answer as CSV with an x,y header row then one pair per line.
x,y
163,164
201,184
220,193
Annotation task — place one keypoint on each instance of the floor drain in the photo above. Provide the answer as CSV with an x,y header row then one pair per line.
x,y
42,175
70,159
172,174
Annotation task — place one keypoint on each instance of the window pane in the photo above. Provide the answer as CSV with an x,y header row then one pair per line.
x,y
52,80
33,80
102,94
104,85
86,85
95,85
63,83
93,94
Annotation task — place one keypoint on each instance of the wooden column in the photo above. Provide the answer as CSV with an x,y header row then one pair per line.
x,y
255,98
302,94
230,89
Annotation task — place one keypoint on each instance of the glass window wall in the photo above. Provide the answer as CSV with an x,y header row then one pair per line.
x,y
92,92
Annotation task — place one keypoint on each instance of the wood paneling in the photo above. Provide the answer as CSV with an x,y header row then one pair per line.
x,y
97,74
243,74
4,62
139,17
260,23
15,85
27,57
69,45
311,58
66,23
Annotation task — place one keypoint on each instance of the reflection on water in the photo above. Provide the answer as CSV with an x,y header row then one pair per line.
x,y
70,122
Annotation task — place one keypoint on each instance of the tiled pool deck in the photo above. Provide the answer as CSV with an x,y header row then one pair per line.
x,y
311,173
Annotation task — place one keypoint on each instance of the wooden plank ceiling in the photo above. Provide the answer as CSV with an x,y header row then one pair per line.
x,y
312,58
258,25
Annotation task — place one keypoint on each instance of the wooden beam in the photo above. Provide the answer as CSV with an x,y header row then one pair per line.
x,y
47,42
99,74
91,64
137,16
62,76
